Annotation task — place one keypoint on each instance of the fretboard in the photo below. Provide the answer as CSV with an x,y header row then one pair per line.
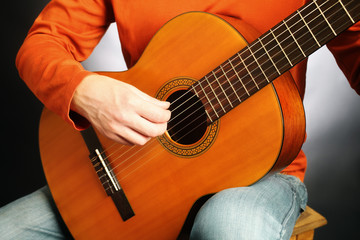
x,y
274,53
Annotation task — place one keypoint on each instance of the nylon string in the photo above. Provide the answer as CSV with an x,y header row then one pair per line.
x,y
153,140
237,65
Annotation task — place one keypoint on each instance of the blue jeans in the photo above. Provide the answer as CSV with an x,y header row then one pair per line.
x,y
266,210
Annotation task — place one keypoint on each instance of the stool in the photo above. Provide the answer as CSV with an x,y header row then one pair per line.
x,y
305,226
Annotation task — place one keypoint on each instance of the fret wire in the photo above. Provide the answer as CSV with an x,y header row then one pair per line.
x,y
340,27
297,43
280,47
208,99
273,74
122,177
295,32
116,174
264,49
258,64
215,94
222,89
324,37
267,51
269,56
239,78
346,11
317,6
275,29
271,49
248,70
222,69
200,99
312,34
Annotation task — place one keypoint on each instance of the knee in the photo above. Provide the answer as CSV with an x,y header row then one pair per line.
x,y
266,210
13,223
30,217
230,214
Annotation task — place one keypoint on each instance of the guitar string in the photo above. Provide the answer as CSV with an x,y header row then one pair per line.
x,y
135,153
226,64
153,155
139,166
230,69
333,5
226,88
229,88
246,75
267,68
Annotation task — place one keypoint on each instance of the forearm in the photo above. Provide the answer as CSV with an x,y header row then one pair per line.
x,y
63,35
50,72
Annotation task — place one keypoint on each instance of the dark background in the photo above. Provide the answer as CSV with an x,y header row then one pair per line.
x,y
333,145
21,171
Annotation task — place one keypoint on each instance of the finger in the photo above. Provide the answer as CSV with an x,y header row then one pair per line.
x,y
130,142
123,134
147,128
153,113
146,97
121,140
128,136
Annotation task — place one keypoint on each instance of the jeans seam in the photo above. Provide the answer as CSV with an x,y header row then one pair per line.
x,y
288,216
292,208
295,184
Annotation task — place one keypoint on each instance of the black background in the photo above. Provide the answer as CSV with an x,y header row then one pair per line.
x,y
20,113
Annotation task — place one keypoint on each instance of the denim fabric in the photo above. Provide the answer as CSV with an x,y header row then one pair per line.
x,y
265,210
34,216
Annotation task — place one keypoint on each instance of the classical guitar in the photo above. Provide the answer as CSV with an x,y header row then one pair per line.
x,y
236,117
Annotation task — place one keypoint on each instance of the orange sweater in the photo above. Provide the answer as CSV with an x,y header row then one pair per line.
x,y
66,32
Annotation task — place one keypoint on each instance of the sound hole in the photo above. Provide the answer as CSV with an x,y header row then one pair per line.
x,y
188,118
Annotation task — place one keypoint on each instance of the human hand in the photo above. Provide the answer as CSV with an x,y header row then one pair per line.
x,y
120,111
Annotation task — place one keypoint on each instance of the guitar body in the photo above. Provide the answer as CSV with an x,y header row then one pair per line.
x,y
261,135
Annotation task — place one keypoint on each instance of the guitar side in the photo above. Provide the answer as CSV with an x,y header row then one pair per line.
x,y
261,135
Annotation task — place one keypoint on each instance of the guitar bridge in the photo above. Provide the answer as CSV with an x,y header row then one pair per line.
x,y
104,172
106,176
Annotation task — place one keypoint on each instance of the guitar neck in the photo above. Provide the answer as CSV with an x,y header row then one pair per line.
x,y
274,53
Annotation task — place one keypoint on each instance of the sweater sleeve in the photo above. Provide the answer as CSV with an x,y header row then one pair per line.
x,y
63,35
346,50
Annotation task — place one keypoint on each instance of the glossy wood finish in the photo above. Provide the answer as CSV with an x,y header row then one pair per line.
x,y
160,186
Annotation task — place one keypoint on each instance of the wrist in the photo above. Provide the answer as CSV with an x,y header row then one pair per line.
x,y
81,92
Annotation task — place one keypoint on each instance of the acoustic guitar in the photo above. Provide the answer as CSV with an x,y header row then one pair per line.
x,y
236,117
